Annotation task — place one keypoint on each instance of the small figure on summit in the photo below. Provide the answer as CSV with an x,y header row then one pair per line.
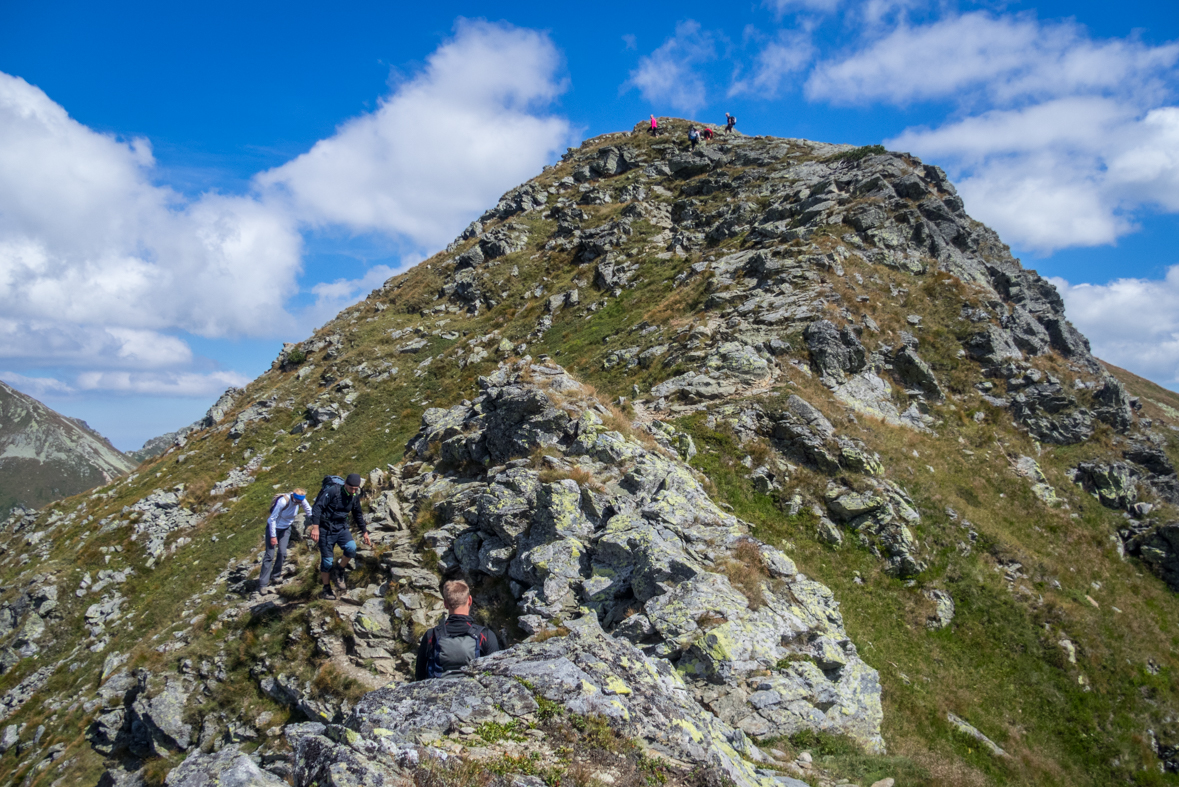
x,y
730,121
332,507
706,133
283,510
456,641
654,126
693,137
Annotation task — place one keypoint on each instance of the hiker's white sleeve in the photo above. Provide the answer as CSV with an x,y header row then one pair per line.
x,y
306,508
272,522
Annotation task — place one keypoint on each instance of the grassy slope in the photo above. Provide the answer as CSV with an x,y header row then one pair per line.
x,y
998,664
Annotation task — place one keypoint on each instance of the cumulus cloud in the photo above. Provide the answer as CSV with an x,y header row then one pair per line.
x,y
442,148
782,57
1002,59
670,75
1133,323
86,239
101,267
1060,139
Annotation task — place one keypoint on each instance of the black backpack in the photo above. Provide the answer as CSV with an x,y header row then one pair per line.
x,y
328,482
447,653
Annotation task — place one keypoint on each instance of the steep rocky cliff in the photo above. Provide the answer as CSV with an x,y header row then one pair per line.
x,y
765,461
45,456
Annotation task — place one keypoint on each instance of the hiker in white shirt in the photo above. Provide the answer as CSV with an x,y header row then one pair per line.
x,y
278,534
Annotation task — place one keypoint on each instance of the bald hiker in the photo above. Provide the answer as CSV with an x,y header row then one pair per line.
x,y
336,501
283,510
456,641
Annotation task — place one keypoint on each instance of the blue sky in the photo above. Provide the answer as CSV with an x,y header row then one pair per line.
x,y
184,188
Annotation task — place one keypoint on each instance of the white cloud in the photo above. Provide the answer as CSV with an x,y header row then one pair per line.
x,y
1061,140
669,76
101,267
87,239
442,148
788,54
1068,172
36,387
331,297
1132,323
1002,59
160,383
793,6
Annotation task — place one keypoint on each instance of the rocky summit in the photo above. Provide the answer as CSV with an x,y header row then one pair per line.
x,y
45,456
765,462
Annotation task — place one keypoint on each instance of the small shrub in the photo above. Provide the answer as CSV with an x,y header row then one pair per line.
x,y
791,658
295,357
494,731
857,154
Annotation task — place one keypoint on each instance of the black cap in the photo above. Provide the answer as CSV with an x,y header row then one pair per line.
x,y
353,479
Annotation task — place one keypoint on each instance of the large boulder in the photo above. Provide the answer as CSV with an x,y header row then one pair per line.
x,y
834,352
229,767
586,673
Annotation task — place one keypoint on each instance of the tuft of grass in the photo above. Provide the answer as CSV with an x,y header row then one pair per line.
x,y
547,634
583,477
329,681
746,571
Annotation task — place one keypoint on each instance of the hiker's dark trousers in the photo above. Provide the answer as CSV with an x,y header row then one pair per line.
x,y
275,556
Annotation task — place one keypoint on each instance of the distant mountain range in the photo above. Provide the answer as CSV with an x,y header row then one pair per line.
x,y
45,456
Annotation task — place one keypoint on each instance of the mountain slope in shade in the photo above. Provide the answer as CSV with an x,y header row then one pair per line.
x,y
45,456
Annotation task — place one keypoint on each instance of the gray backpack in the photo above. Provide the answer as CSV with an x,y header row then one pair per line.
x,y
447,653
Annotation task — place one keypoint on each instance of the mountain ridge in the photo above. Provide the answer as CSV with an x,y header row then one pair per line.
x,y
852,396
45,456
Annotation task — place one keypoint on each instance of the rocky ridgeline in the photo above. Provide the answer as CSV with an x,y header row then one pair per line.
x,y
625,591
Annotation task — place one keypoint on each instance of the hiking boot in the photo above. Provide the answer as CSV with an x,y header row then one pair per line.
x,y
338,579
327,593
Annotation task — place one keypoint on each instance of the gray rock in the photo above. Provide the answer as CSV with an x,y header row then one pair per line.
x,y
229,767
1113,405
966,729
1051,415
992,345
1159,549
1112,484
216,414
163,716
943,609
586,672
912,370
835,353
9,738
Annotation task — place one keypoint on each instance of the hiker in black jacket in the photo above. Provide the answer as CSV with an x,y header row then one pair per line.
x,y
458,640
331,510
